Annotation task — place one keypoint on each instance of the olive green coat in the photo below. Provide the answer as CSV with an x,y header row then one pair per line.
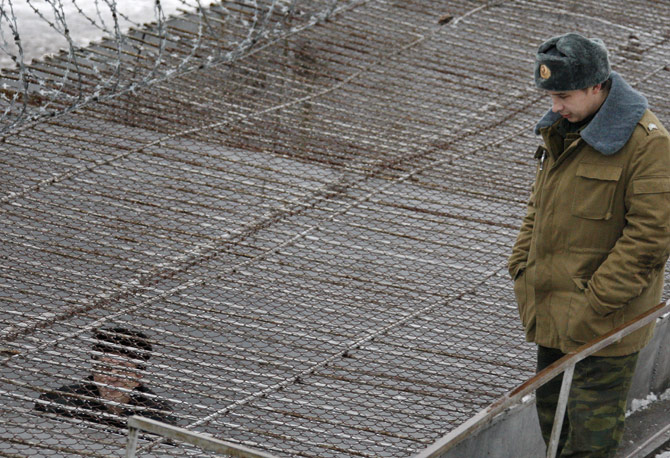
x,y
592,248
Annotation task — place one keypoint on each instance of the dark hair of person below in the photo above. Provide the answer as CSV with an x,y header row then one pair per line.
x,y
121,341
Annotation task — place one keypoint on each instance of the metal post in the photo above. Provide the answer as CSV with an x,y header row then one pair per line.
x,y
131,445
560,411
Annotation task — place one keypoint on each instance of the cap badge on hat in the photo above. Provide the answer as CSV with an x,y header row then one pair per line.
x,y
545,73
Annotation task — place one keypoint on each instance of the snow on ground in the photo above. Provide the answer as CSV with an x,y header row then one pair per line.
x,y
639,404
663,455
87,20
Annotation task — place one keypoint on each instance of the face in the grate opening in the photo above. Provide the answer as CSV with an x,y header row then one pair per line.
x,y
117,376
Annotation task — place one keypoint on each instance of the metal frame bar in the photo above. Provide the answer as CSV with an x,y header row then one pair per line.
x,y
563,365
201,440
560,411
133,434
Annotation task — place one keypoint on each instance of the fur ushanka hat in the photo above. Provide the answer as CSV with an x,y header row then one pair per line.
x,y
570,62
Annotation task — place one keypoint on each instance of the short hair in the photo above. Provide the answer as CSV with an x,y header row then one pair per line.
x,y
121,341
607,84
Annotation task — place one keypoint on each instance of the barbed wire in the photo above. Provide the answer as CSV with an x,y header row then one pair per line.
x,y
140,57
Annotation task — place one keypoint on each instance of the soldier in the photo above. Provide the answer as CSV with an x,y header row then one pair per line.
x,y
592,247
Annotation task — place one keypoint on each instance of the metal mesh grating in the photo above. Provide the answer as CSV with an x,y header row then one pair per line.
x,y
312,228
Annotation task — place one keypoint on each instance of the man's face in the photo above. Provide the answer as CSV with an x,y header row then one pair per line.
x,y
116,372
576,105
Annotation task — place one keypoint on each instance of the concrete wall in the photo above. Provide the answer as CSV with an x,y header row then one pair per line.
x,y
516,433
652,374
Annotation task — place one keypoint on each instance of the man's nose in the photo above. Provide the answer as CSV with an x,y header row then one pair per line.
x,y
556,106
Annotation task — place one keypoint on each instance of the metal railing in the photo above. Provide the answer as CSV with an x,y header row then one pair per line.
x,y
203,441
564,365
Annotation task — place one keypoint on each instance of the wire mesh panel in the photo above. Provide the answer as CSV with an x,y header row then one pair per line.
x,y
285,224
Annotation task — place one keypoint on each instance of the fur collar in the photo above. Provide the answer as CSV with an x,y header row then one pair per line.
x,y
614,123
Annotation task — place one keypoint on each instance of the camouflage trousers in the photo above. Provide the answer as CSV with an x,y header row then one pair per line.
x,y
595,414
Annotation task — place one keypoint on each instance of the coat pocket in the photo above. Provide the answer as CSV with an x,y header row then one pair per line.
x,y
584,324
595,185
526,310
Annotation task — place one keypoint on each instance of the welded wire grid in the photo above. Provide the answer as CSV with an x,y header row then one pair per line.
x,y
313,232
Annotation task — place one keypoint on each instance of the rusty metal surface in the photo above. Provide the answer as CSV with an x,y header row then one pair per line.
x,y
314,235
